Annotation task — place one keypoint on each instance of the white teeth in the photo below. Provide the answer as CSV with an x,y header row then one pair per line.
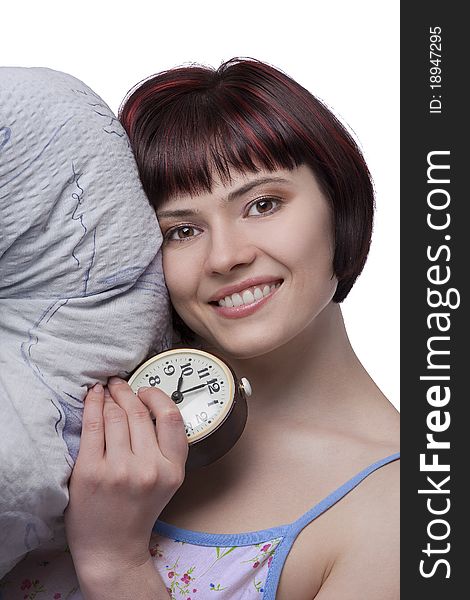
x,y
258,294
237,300
248,297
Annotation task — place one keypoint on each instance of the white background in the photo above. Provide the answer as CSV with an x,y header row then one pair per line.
x,y
346,53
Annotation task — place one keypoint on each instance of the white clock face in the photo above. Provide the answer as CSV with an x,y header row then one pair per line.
x,y
205,386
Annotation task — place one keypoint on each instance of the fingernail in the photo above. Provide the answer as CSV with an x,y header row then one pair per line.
x,y
143,389
98,388
114,380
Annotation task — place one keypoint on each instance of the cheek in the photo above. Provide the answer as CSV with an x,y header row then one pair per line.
x,y
180,279
307,243
309,255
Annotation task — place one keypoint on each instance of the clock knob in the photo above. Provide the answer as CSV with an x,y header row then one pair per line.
x,y
246,386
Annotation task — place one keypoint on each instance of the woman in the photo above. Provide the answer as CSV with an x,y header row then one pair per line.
x,y
257,187
255,183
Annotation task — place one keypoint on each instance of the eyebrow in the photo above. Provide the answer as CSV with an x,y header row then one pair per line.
x,y
187,212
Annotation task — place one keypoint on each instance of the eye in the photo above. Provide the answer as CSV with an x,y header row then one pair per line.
x,y
264,206
180,233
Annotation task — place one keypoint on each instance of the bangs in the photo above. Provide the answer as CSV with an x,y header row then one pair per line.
x,y
206,136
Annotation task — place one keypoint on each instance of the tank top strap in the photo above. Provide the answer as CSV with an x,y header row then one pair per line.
x,y
296,527
339,493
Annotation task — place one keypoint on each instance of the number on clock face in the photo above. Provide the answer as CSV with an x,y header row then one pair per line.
x,y
205,387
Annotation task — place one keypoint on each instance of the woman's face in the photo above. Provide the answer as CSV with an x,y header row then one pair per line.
x,y
237,242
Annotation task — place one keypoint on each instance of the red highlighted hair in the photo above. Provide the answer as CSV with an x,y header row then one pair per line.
x,y
190,123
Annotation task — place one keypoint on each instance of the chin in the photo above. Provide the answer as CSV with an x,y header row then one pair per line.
x,y
251,345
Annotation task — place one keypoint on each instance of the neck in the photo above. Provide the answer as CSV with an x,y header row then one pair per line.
x,y
317,371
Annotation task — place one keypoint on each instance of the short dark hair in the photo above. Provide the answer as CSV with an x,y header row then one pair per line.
x,y
187,123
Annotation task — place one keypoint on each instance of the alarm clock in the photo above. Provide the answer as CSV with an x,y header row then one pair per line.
x,y
210,397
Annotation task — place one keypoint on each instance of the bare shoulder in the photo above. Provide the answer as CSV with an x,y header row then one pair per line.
x,y
366,564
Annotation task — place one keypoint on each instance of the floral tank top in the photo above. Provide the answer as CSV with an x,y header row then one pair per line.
x,y
193,565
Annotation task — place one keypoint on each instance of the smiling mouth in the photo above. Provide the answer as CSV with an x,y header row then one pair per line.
x,y
248,296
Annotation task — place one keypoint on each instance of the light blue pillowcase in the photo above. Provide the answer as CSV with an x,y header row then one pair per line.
x,y
82,293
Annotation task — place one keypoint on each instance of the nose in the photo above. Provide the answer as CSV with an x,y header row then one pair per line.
x,y
228,249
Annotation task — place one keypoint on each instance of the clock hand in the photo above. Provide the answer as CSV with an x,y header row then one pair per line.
x,y
197,387
177,396
180,383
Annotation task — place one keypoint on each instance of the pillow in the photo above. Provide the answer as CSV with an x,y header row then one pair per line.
x,y
82,294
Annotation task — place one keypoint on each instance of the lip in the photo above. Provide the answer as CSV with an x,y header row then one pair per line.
x,y
238,287
237,312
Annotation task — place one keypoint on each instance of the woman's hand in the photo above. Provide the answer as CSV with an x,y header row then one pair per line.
x,y
126,472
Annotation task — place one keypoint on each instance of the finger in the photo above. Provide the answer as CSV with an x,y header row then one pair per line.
x,y
141,428
116,428
171,435
92,437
